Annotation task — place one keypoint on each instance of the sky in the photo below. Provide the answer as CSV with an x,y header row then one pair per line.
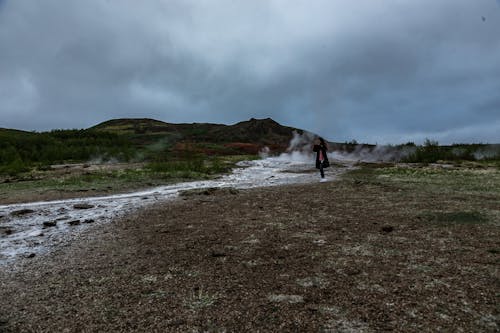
x,y
385,71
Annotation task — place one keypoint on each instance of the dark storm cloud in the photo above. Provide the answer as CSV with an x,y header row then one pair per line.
x,y
385,71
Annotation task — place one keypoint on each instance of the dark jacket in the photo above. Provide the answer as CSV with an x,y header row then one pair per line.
x,y
317,149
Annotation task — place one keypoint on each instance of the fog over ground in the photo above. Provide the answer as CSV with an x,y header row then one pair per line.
x,y
387,71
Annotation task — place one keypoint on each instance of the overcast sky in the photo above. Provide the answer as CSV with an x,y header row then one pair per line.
x,y
384,71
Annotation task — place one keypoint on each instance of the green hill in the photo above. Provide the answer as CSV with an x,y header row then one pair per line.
x,y
138,140
244,137
254,131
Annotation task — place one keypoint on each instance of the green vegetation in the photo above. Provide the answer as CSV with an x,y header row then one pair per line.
x,y
432,152
464,180
115,156
193,167
185,148
22,151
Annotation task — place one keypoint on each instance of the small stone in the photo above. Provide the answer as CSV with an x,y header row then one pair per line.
x,y
218,254
74,222
30,255
387,228
49,224
22,212
292,299
89,221
83,206
353,271
6,231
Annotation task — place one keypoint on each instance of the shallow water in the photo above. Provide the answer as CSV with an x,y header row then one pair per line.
x,y
25,234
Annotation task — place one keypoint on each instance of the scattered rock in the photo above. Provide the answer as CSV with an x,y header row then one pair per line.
x,y
208,191
74,222
6,231
89,221
30,255
83,206
49,224
387,228
292,299
352,271
22,212
314,281
218,254
1,216
202,191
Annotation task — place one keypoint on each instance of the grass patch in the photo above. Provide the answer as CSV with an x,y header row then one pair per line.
x,y
199,300
442,180
113,181
195,167
447,218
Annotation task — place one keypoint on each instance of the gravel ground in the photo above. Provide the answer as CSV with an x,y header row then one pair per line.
x,y
355,255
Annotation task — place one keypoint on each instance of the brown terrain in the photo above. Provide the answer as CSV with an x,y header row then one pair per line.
x,y
353,255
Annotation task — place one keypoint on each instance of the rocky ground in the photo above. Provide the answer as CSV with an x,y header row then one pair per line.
x,y
362,254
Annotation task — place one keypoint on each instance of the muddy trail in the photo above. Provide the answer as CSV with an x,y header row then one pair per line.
x,y
351,255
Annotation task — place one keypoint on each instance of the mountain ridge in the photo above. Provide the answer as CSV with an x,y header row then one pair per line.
x,y
258,132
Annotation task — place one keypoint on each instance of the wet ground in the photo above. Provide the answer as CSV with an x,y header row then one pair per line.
x,y
34,228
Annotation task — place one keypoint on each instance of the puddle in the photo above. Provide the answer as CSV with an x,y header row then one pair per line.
x,y
33,228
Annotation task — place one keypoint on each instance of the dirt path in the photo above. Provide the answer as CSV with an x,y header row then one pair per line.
x,y
347,256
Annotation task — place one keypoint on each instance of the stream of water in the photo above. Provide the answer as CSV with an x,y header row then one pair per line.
x,y
30,229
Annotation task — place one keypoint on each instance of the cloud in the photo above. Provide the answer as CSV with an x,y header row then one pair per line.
x,y
385,71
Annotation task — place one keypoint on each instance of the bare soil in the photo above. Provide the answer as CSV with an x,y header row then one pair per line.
x,y
356,255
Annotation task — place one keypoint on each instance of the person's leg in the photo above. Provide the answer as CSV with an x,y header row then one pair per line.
x,y
321,171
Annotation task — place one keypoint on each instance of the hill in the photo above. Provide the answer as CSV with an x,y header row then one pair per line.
x,y
140,140
247,136
259,131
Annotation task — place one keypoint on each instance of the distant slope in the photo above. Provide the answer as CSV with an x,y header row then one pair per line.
x,y
9,131
134,126
254,132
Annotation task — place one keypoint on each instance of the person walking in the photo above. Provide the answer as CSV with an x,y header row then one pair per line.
x,y
321,157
